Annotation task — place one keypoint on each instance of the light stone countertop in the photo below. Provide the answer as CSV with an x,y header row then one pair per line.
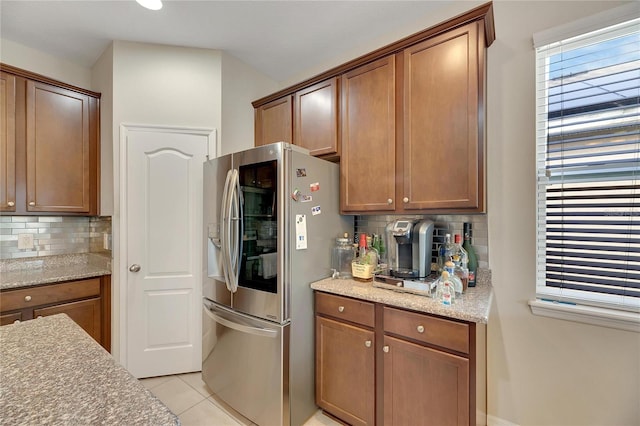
x,y
16,273
52,372
472,306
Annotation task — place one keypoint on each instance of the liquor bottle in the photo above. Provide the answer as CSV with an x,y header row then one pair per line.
x,y
461,262
362,249
445,291
372,253
471,253
445,253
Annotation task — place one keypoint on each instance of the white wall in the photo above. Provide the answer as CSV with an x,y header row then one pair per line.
x,y
241,85
542,371
102,81
42,63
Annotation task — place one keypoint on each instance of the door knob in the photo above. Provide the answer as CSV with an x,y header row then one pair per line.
x,y
134,268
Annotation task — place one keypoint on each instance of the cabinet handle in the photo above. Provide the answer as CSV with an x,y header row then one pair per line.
x,y
27,298
405,200
340,308
420,329
367,343
385,349
32,203
11,204
389,201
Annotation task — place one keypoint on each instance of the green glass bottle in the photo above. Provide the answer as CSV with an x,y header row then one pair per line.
x,y
471,253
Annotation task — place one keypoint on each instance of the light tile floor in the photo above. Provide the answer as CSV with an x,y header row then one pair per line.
x,y
192,401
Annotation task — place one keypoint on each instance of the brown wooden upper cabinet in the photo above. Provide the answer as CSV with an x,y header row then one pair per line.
x,y
411,120
307,118
273,122
436,145
368,119
7,142
442,149
55,137
316,118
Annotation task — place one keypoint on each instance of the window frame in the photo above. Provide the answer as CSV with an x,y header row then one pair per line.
x,y
575,305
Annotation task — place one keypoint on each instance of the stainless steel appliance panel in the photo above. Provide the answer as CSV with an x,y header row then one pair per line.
x,y
214,176
318,183
270,166
297,187
243,363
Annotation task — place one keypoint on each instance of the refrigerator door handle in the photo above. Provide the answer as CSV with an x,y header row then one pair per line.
x,y
224,232
216,315
236,229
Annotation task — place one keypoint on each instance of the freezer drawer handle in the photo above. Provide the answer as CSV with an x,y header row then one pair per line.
x,y
259,331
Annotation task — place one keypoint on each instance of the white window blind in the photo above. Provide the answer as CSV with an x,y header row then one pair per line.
x,y
588,168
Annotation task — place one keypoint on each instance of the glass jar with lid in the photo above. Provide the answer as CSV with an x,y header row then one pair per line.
x,y
342,256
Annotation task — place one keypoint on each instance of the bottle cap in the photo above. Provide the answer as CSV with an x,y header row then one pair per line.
x,y
456,238
362,242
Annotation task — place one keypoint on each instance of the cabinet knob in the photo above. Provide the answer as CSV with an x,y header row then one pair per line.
x,y
32,203
420,329
385,349
340,308
405,200
11,204
389,201
368,343
39,316
27,298
16,322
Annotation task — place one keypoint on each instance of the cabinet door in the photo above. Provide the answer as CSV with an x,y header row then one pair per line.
x,y
443,146
273,122
10,318
316,118
367,164
345,371
7,142
424,386
58,150
86,313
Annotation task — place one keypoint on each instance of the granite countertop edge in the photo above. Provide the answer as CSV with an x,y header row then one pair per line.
x,y
472,306
53,372
33,271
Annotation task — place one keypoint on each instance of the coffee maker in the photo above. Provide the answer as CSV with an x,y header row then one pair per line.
x,y
410,243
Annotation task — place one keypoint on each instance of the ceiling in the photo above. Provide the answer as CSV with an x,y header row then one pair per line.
x,y
278,38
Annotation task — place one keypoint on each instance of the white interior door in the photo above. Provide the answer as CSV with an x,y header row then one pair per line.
x,y
163,242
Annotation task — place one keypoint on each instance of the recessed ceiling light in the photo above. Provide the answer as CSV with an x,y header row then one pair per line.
x,y
151,4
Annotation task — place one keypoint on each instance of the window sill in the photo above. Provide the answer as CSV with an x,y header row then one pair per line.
x,y
611,318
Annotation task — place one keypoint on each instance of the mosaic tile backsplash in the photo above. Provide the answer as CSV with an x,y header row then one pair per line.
x,y
444,224
53,235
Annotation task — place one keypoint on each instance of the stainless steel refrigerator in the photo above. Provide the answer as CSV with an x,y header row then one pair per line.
x,y
271,216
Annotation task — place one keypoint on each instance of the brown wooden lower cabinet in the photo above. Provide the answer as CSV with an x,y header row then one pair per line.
x,y
87,302
424,386
345,371
377,364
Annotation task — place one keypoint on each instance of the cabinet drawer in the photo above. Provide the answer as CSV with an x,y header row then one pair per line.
x,y
424,328
345,309
6,319
43,295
